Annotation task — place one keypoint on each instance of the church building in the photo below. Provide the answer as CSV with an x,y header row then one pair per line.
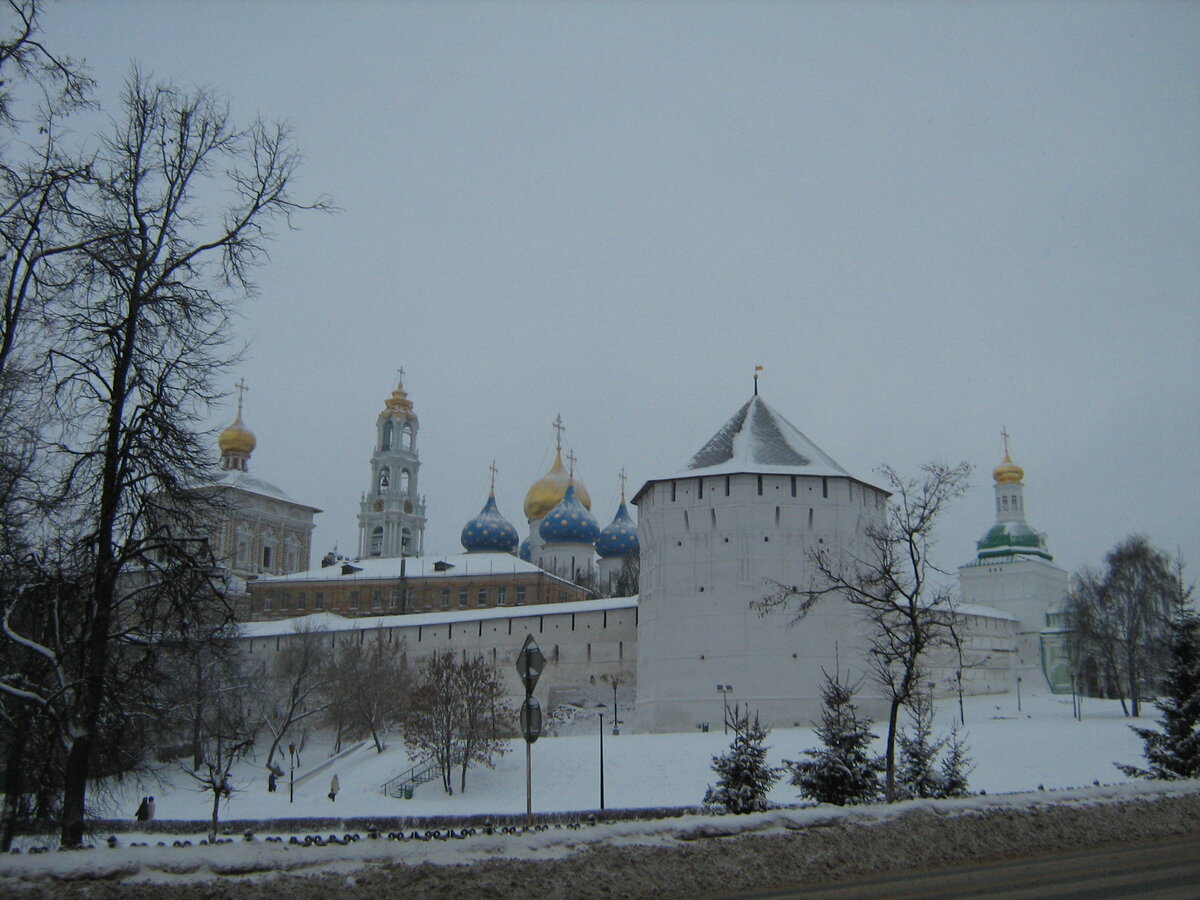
x,y
259,530
1014,572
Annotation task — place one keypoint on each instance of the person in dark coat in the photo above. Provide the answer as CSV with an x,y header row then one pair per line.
x,y
150,809
271,779
142,810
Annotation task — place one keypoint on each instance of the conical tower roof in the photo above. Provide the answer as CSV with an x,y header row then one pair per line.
x,y
759,439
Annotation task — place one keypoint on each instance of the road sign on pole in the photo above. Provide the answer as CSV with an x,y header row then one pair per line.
x,y
530,663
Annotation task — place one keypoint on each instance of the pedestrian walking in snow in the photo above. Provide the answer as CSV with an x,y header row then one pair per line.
x,y
271,783
333,788
140,815
149,809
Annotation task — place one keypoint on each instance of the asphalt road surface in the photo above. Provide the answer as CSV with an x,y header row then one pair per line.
x,y
1164,869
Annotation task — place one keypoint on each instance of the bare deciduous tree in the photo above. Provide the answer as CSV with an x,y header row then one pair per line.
x,y
292,689
1120,621
902,595
365,687
457,714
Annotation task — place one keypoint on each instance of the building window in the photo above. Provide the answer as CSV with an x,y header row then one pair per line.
x,y
266,557
405,476
520,596
285,600
482,597
672,492
354,600
760,485
793,485
377,541
385,442
385,479
501,596
409,597
562,596
699,488
318,600
406,437
377,599
266,602
301,601
405,541
825,488
726,485
445,598
464,597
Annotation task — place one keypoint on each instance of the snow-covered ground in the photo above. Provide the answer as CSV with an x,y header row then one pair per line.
x,y
1039,746
1013,751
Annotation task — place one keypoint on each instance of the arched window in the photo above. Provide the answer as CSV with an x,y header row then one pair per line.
x,y
404,476
406,437
377,541
385,479
385,439
405,541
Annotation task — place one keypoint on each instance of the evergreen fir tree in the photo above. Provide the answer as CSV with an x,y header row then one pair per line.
x,y
917,773
744,778
956,766
842,771
920,772
1173,749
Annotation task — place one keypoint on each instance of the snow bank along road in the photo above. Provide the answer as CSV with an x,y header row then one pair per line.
x,y
693,856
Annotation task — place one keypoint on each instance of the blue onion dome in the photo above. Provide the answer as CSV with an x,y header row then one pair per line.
x,y
490,531
619,537
525,552
569,522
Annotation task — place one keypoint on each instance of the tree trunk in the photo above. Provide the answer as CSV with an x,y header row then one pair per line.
x,y
890,780
212,833
14,770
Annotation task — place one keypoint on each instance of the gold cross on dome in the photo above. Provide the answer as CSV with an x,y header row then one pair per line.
x,y
1004,434
494,470
241,389
400,375
621,478
571,461
559,428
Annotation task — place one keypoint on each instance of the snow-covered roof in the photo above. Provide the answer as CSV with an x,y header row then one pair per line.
x,y
244,481
987,612
332,622
383,568
758,440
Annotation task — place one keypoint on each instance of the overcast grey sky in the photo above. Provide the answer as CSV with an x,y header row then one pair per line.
x,y
925,220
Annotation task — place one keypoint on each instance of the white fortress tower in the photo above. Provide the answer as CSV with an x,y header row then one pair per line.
x,y
743,515
391,517
1014,572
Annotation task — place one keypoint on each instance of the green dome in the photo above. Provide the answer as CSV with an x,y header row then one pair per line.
x,y
1007,539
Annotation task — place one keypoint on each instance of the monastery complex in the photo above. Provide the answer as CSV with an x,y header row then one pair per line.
x,y
657,612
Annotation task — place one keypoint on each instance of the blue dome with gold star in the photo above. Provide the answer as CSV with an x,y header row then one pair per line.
x,y
525,552
619,537
490,531
569,522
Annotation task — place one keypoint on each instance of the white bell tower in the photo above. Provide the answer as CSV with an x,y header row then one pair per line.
x,y
391,518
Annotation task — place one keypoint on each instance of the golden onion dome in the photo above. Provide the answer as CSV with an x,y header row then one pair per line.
x,y
237,438
1008,472
547,492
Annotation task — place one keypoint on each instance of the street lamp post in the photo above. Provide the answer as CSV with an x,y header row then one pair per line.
x,y
601,707
725,690
616,720
1018,693
292,774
